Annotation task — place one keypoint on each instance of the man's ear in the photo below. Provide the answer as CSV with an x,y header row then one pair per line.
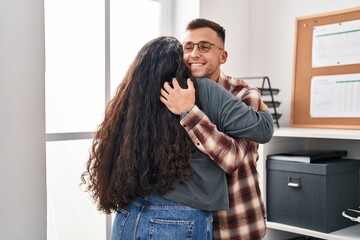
x,y
223,57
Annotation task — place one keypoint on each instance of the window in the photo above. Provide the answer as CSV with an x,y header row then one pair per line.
x,y
89,45
131,27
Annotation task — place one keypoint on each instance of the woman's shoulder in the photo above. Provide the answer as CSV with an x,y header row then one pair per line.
x,y
207,86
205,82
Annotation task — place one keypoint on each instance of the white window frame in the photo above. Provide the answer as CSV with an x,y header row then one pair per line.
x,y
166,29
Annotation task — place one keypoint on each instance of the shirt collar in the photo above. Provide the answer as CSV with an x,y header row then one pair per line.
x,y
224,80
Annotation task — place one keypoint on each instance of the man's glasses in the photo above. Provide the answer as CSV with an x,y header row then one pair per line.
x,y
203,46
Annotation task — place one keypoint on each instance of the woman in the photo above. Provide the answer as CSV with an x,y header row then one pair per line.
x,y
143,164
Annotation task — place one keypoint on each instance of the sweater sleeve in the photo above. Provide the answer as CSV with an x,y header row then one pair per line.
x,y
224,150
232,116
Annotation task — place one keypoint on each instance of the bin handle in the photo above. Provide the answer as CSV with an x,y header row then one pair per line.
x,y
294,182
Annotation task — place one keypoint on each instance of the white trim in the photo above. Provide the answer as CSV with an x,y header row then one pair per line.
x,y
167,17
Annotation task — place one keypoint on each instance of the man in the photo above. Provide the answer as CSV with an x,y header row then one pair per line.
x,y
204,53
246,217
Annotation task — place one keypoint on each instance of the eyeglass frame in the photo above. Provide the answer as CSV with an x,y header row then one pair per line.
x,y
201,42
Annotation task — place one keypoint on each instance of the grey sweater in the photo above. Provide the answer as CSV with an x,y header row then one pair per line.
x,y
207,188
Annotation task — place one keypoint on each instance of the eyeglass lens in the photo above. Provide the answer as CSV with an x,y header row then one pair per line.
x,y
203,46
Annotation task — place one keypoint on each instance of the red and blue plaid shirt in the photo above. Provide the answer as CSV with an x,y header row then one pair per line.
x,y
245,218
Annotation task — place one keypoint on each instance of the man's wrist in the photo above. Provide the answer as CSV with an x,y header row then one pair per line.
x,y
183,114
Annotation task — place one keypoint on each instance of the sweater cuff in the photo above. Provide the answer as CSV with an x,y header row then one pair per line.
x,y
192,118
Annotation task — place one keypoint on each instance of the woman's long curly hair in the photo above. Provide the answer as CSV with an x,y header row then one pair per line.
x,y
140,148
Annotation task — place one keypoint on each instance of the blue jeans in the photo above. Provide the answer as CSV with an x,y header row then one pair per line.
x,y
161,219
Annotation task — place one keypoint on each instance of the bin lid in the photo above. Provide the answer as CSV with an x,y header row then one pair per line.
x,y
321,168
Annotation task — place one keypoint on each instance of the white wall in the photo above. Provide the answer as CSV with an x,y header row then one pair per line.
x,y
234,16
276,38
22,122
260,37
185,11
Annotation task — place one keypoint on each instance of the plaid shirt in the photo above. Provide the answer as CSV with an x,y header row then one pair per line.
x,y
245,218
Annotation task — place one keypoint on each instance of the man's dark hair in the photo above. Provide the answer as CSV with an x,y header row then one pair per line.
x,y
202,23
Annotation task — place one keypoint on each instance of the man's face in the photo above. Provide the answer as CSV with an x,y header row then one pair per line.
x,y
205,64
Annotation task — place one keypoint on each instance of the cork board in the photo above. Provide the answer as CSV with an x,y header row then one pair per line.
x,y
304,71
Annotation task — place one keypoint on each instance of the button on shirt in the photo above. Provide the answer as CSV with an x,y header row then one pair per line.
x,y
238,158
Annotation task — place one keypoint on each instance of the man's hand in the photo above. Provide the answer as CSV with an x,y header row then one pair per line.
x,y
178,99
